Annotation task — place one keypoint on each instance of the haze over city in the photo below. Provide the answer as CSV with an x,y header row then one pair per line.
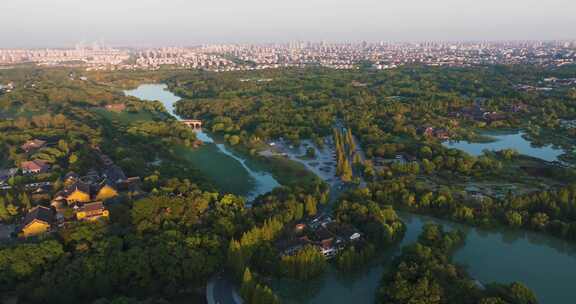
x,y
295,151
150,23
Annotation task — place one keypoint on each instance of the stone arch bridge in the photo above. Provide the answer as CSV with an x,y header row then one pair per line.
x,y
195,124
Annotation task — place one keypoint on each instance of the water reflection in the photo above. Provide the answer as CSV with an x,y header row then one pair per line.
x,y
263,181
513,140
545,264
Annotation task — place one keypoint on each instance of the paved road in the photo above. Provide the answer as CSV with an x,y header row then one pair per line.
x,y
220,290
6,231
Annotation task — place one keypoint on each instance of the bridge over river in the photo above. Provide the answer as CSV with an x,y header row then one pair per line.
x,y
543,263
195,124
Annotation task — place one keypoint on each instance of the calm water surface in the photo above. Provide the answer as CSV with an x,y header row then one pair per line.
x,y
545,264
503,141
229,171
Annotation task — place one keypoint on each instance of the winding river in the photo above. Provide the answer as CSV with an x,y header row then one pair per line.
x,y
545,264
228,170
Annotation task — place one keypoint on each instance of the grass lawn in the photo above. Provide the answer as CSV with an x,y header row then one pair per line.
x,y
225,172
285,171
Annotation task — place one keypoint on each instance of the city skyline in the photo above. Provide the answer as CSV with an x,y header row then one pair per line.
x,y
234,57
152,23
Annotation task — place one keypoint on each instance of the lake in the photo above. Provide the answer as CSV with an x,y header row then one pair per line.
x,y
545,264
228,171
501,141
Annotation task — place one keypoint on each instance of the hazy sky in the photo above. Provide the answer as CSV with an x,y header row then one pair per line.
x,y
38,23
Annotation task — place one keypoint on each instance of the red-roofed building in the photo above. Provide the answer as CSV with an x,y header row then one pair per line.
x,y
32,145
34,167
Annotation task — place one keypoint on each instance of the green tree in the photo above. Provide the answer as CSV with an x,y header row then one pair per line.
x,y
311,206
247,287
346,171
304,265
520,294
514,218
12,210
72,159
4,214
25,201
311,152
234,140
539,220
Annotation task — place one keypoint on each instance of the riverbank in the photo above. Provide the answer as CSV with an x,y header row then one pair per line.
x,y
509,262
492,256
285,170
502,256
226,169
496,141
229,177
